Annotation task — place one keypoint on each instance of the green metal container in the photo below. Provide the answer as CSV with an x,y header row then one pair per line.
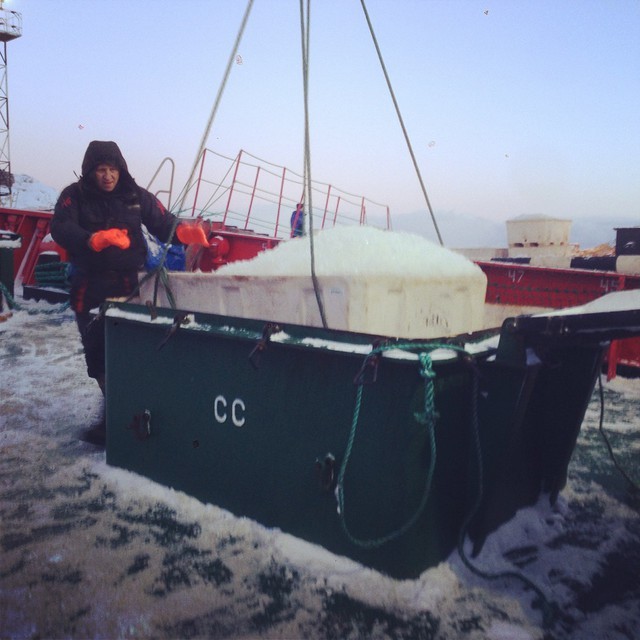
x,y
259,420
9,241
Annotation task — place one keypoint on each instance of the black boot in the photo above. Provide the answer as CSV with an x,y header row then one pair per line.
x,y
97,434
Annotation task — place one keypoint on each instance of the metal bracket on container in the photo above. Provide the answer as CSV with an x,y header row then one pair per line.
x,y
153,312
326,472
269,329
368,371
178,321
141,425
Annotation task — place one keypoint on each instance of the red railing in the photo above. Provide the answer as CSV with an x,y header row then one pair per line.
x,y
257,193
247,192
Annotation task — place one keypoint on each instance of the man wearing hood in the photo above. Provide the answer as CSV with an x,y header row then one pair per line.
x,y
98,220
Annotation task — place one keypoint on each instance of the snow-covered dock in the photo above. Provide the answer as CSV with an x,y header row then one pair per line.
x,y
88,551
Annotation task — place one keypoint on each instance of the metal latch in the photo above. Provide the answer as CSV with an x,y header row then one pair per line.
x,y
141,425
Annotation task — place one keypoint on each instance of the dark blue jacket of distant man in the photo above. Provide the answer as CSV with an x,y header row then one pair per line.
x,y
297,222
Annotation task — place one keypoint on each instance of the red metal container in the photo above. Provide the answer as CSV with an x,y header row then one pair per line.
x,y
525,285
33,227
553,288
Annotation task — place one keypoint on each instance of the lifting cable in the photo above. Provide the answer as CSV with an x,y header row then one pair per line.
x,y
304,34
160,271
216,104
404,129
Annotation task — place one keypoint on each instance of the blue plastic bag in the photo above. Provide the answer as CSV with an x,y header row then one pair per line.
x,y
176,256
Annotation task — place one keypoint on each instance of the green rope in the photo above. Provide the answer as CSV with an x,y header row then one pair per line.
x,y
427,419
164,276
15,306
550,609
53,274
160,272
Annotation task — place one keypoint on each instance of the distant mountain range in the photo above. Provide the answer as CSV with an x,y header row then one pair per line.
x,y
457,230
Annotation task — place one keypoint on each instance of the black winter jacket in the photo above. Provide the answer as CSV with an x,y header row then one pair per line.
x,y
82,209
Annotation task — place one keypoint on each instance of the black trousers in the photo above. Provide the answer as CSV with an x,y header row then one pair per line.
x,y
91,329
89,291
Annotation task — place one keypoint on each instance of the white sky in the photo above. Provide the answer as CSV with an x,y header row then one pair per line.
x,y
529,108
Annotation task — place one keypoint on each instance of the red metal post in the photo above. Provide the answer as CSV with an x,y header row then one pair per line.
x,y
335,215
27,268
628,352
326,207
612,360
233,182
275,233
253,193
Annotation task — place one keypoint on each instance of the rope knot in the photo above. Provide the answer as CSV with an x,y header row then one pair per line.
x,y
426,366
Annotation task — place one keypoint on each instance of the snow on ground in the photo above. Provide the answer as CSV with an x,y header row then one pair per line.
x,y
90,551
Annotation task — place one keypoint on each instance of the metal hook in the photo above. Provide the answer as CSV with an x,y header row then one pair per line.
x,y
269,329
178,320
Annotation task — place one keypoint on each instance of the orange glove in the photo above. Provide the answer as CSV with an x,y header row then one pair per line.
x,y
110,237
191,234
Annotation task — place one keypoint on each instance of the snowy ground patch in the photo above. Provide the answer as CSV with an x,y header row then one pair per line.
x,y
89,551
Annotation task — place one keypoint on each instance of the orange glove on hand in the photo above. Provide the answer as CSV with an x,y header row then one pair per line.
x,y
191,234
110,237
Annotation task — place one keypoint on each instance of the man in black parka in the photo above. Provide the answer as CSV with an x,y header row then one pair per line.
x,y
98,220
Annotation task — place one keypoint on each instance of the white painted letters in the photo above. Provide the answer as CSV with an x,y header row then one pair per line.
x,y
220,405
238,420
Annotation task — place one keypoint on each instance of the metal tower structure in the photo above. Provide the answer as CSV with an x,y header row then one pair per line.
x,y
10,29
